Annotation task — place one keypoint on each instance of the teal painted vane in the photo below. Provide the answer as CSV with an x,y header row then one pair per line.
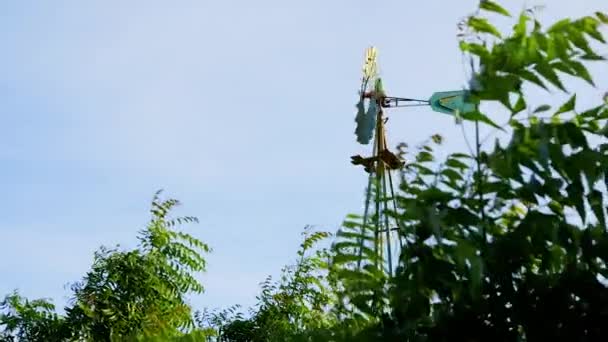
x,y
452,102
366,119
366,122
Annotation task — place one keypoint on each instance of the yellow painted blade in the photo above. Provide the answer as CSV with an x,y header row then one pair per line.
x,y
370,68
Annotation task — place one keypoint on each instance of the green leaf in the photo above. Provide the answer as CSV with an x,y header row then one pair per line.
x,y
424,157
581,71
451,174
519,105
561,66
460,155
498,88
475,49
482,25
537,26
421,169
562,46
603,17
559,26
549,74
457,164
596,203
493,7
575,194
578,39
575,137
567,107
345,258
531,77
542,108
533,49
551,48
592,57
477,116
520,28
589,26
556,207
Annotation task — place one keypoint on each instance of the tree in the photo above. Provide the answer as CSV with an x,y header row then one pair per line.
x,y
287,308
29,321
127,295
141,291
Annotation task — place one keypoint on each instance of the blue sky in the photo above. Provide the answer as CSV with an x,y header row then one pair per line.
x,y
242,110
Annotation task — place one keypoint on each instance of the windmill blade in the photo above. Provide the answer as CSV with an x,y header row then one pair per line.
x,y
366,119
366,122
370,67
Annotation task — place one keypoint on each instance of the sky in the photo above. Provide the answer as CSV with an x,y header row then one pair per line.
x,y
242,110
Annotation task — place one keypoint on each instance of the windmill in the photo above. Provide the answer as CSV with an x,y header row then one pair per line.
x,y
371,125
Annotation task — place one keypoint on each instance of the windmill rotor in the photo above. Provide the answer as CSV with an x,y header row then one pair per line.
x,y
368,105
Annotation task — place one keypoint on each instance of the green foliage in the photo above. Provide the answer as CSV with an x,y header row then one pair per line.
x,y
291,307
127,295
141,291
531,55
500,245
228,324
503,245
493,7
28,321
